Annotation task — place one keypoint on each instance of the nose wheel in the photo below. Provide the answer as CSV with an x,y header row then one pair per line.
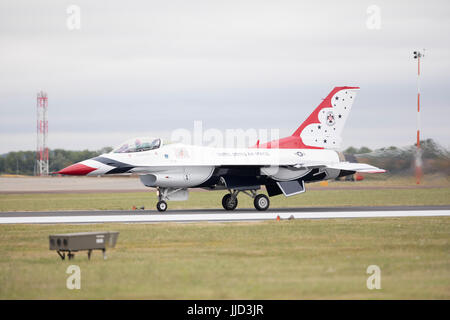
x,y
162,194
161,206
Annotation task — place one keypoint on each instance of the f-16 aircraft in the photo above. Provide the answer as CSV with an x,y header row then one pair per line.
x,y
283,166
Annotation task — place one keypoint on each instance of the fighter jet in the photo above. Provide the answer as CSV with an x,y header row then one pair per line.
x,y
283,166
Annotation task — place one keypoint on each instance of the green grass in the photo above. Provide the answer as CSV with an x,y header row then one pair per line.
x,y
298,259
212,199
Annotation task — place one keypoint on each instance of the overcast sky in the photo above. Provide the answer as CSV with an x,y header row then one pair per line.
x,y
150,67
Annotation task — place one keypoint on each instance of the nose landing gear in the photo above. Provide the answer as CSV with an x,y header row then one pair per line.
x,y
173,194
163,195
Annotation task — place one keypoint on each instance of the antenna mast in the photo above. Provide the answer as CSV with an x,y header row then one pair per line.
x,y
42,132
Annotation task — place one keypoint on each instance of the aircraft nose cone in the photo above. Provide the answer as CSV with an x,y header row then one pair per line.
x,y
76,169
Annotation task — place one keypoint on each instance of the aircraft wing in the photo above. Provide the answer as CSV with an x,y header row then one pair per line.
x,y
349,166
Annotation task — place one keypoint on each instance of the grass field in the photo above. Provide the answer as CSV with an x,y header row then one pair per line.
x,y
298,259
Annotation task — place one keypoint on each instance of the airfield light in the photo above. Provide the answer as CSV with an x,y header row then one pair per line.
x,y
73,242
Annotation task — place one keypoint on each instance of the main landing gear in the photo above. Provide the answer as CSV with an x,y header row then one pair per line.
x,y
230,201
260,201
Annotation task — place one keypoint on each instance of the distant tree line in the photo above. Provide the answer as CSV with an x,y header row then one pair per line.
x,y
435,158
24,162
353,150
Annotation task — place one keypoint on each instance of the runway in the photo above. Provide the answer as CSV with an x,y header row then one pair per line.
x,y
218,215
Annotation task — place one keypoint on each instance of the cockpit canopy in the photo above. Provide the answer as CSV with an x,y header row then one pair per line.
x,y
138,145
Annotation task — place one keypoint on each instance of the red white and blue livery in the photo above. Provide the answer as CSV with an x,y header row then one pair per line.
x,y
283,166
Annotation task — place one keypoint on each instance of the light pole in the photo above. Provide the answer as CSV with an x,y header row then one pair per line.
x,y
418,162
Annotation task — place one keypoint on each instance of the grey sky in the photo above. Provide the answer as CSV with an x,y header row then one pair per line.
x,y
150,67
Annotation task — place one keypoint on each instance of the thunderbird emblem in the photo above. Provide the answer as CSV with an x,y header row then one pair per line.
x,y
330,118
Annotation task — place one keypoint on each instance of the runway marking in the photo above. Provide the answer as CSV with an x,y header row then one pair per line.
x,y
220,217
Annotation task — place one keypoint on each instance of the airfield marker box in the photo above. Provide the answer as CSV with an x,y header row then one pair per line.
x,y
73,242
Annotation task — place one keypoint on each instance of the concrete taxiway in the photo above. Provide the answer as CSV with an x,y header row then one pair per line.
x,y
218,215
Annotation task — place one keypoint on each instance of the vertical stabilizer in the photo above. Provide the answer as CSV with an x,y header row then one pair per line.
x,y
323,128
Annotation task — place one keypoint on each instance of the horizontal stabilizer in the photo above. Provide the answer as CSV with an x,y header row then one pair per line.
x,y
348,166
358,167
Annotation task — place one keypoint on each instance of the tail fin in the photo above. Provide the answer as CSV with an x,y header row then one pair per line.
x,y
322,129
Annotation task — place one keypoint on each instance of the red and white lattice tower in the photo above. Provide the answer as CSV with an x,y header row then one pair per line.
x,y
418,160
42,132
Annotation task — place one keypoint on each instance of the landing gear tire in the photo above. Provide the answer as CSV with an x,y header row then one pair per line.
x,y
161,206
229,203
261,202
